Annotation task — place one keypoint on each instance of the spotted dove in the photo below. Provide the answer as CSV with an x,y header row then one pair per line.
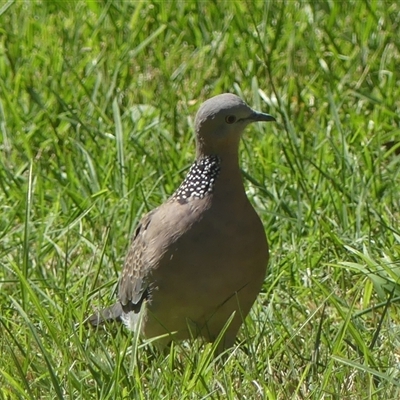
x,y
198,260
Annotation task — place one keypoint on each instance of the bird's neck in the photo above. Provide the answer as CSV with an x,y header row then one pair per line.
x,y
226,148
228,156
229,180
229,184
211,174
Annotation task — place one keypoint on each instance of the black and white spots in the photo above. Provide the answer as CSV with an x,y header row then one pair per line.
x,y
200,179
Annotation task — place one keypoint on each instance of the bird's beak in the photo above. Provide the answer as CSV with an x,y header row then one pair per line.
x,y
257,116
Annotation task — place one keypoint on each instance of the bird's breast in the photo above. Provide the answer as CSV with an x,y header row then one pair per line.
x,y
214,246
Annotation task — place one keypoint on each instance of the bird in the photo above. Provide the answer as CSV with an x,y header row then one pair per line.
x,y
197,263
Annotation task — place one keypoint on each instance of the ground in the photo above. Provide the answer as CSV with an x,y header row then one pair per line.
x,y
97,101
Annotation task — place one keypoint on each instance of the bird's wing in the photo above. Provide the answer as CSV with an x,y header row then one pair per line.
x,y
151,249
132,284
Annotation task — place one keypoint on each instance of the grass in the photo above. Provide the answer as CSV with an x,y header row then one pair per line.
x,y
97,101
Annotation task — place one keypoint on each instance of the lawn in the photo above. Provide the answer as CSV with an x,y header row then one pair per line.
x,y
97,103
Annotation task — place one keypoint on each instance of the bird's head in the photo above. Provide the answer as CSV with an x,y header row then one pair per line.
x,y
220,122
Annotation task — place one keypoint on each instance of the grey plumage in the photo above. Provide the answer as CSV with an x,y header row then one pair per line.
x,y
201,256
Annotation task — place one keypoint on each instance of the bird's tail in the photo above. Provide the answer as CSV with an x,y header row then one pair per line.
x,y
112,313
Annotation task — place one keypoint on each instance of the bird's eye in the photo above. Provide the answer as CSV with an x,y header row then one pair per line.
x,y
230,119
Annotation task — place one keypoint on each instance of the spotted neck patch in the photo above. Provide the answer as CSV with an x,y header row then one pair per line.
x,y
200,180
